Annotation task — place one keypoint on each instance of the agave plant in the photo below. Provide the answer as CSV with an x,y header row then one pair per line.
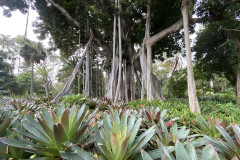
x,y
118,139
48,133
228,145
182,152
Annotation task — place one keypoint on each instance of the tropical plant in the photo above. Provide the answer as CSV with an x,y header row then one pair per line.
x,y
10,152
118,139
154,115
169,138
209,127
228,145
78,99
46,135
183,152
32,52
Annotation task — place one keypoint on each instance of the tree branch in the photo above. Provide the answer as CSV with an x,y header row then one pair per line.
x,y
76,23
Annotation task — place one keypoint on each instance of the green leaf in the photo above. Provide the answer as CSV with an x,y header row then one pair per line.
x,y
192,154
134,132
47,129
60,135
79,134
123,150
131,123
80,155
181,153
209,153
18,144
65,121
47,117
145,155
35,131
4,126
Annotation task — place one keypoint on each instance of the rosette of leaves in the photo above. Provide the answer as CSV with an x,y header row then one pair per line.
x,y
209,127
182,151
47,135
153,116
119,138
21,105
229,145
169,137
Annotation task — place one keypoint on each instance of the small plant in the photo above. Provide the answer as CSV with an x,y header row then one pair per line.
x,y
182,152
153,115
118,139
78,99
169,138
209,127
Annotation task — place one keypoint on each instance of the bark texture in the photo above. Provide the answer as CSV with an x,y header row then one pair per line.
x,y
110,86
118,90
192,95
236,43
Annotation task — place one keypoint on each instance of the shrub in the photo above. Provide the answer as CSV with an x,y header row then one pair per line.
x,y
78,99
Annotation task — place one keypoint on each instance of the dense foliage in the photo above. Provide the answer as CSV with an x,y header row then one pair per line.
x,y
117,133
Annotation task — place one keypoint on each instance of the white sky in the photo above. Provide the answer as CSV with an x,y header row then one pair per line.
x,y
16,24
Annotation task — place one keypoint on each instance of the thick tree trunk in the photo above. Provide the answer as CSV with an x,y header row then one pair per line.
x,y
236,43
68,86
47,87
31,85
192,96
111,86
118,93
129,81
156,90
149,73
88,72
149,53
87,76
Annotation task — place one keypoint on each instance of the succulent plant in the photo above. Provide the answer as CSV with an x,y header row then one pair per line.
x,y
182,151
155,115
169,137
47,134
119,137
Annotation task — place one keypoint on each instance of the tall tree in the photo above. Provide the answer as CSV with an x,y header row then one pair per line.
x,y
217,47
32,53
192,95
